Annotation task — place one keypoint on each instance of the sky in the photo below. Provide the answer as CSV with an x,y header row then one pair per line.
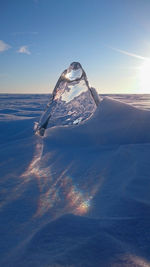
x,y
40,38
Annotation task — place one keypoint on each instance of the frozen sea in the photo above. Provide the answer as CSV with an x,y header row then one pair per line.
x,y
80,196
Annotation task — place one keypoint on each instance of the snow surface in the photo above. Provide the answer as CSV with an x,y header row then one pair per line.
x,y
80,196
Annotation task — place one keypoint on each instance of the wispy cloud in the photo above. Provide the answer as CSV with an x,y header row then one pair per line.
x,y
24,33
4,46
24,50
129,53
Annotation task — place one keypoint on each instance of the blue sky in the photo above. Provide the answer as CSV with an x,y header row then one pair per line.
x,y
40,38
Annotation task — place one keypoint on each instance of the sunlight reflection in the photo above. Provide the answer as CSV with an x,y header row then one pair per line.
x,y
59,193
144,76
133,260
32,171
78,200
139,261
64,196
83,207
34,165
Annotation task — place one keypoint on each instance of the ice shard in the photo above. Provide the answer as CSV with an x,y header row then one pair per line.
x,y
72,101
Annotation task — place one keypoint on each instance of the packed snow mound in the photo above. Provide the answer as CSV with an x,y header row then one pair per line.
x,y
113,122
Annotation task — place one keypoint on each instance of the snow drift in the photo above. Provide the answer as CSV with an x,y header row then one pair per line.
x,y
113,123
80,195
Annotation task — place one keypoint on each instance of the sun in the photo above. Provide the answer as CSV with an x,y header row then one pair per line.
x,y
144,77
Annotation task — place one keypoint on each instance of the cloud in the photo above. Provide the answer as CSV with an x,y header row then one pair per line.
x,y
24,50
129,53
4,46
24,33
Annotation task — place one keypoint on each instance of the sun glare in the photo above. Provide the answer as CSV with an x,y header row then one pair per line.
x,y
144,77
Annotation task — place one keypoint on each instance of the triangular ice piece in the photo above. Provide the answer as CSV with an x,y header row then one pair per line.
x,y
72,100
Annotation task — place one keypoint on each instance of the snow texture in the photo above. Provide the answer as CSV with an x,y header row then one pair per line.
x,y
80,195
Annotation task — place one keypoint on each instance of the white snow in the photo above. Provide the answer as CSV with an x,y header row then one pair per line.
x,y
80,195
